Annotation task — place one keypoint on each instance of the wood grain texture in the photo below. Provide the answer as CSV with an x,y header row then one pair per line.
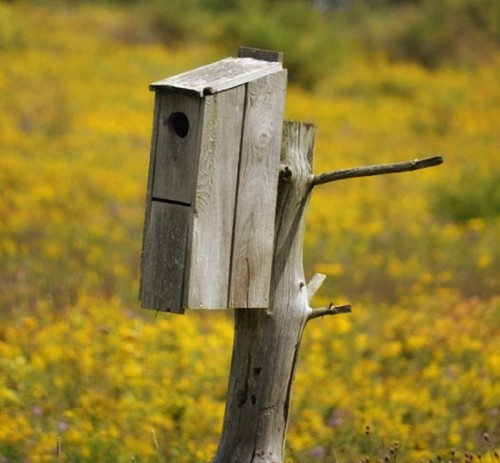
x,y
253,239
149,193
176,157
164,257
215,199
257,53
267,342
219,76
218,162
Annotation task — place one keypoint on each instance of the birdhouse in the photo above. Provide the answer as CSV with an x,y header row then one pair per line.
x,y
213,177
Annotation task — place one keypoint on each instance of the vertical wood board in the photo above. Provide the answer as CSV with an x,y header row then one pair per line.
x,y
147,216
176,155
215,199
253,240
165,257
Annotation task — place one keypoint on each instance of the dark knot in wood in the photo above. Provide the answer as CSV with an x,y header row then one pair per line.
x,y
285,173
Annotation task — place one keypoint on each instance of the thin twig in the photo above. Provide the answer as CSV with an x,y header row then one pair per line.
x,y
330,310
377,169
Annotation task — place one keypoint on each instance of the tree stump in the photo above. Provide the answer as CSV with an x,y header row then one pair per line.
x,y
267,342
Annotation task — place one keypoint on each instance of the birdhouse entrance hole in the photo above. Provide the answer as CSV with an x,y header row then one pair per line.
x,y
179,123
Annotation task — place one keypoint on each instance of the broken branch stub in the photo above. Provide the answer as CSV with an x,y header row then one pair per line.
x,y
377,169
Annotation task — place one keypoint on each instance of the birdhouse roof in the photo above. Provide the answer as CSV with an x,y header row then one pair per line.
x,y
219,76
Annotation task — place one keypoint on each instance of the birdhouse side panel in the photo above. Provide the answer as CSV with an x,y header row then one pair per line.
x,y
179,122
215,200
253,241
149,194
164,257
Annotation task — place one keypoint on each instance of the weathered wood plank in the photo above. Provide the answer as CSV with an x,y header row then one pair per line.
x,y
177,147
253,240
215,199
221,75
257,53
164,257
149,194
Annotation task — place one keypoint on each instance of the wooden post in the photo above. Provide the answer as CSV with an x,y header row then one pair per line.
x,y
267,342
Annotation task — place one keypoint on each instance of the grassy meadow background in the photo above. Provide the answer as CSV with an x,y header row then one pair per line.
x,y
413,373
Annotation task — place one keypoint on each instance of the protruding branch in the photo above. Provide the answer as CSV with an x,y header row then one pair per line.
x,y
377,169
314,284
330,310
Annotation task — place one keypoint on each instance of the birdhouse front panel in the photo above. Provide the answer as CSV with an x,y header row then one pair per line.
x,y
163,266
172,186
215,201
177,147
209,228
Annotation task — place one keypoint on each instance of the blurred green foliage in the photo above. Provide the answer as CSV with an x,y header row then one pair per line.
x,y
471,196
432,33
429,32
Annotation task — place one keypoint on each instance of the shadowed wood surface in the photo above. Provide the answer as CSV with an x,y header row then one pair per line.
x,y
176,157
163,268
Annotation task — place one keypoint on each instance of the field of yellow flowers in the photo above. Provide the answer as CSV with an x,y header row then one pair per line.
x,y
87,376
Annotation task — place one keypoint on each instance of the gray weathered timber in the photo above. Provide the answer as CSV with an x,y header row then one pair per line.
x,y
257,53
219,76
176,157
145,284
217,155
253,239
163,268
267,342
162,221
214,203
171,190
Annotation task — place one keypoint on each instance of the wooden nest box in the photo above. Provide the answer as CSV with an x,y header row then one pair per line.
x,y
213,178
